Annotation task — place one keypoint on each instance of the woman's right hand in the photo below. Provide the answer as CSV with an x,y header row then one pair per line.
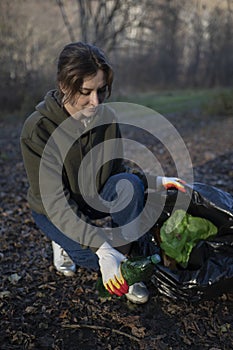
x,y
110,260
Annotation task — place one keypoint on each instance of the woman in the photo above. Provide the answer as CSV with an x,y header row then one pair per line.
x,y
56,140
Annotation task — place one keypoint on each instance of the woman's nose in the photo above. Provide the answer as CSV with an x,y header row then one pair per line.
x,y
94,99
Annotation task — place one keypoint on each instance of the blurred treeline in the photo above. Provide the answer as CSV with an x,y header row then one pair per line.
x,y
153,44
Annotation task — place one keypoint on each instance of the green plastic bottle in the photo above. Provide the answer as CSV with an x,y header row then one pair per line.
x,y
133,270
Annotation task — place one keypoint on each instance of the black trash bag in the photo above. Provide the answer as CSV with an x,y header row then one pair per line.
x,y
210,268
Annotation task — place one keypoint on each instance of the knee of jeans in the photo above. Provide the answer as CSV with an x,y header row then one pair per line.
x,y
137,183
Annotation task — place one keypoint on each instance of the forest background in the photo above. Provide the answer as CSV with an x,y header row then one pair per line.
x,y
154,45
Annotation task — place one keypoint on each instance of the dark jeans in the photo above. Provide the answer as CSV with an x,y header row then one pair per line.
x,y
86,257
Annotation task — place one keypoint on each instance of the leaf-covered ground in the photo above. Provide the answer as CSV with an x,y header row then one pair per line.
x,y
42,309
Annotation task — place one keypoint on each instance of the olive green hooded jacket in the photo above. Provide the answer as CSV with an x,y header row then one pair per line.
x,y
67,165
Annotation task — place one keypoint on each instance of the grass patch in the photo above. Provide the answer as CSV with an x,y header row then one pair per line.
x,y
211,101
221,104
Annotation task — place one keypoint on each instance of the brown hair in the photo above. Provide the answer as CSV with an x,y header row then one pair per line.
x,y
77,61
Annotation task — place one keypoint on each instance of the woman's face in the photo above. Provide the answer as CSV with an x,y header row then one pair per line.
x,y
91,94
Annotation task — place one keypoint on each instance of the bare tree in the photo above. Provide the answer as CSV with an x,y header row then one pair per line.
x,y
195,45
101,22
164,40
66,20
27,51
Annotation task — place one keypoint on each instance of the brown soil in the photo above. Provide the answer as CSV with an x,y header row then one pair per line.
x,y
41,309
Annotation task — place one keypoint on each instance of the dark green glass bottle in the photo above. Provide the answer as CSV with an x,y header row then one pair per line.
x,y
133,270
139,269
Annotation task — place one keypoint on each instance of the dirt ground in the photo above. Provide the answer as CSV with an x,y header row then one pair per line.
x,y
42,309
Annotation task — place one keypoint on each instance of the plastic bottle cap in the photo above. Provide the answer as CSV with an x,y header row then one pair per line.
x,y
155,259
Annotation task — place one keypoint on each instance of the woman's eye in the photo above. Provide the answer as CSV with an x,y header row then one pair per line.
x,y
99,91
85,93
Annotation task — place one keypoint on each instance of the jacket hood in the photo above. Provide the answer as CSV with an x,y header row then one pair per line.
x,y
51,107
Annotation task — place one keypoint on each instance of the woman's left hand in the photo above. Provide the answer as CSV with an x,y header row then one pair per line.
x,y
170,182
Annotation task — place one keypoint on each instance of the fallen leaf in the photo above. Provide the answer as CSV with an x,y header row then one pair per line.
x,y
64,314
138,331
5,294
30,310
14,278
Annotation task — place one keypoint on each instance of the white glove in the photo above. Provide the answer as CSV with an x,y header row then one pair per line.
x,y
110,260
170,182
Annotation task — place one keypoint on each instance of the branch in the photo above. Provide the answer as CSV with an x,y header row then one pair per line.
x,y
65,19
76,326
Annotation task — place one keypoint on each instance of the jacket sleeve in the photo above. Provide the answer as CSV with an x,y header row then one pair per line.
x,y
47,194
